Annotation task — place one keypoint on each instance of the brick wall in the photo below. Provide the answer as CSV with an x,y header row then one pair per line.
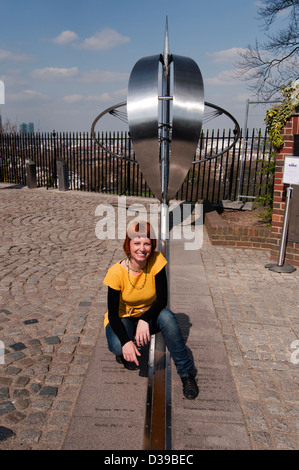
x,y
292,249
220,233
262,237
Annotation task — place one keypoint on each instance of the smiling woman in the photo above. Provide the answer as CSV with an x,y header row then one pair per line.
x,y
137,306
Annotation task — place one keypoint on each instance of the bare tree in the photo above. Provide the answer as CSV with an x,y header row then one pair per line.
x,y
274,62
8,127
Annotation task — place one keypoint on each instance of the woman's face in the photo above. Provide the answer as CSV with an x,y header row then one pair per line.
x,y
140,249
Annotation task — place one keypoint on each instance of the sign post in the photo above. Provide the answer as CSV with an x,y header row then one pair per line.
x,y
290,177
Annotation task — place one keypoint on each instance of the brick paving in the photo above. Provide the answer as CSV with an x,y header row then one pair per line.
x,y
51,313
52,267
258,313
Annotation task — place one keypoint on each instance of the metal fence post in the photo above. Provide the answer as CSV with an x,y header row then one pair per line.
x,y
31,174
62,173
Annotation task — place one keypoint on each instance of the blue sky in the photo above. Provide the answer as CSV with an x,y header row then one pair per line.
x,y
63,62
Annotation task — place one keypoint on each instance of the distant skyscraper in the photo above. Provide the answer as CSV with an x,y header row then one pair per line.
x,y
27,128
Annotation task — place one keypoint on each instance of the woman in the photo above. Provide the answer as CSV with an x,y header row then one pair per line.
x,y
137,299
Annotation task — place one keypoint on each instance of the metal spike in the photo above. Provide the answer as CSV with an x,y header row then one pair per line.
x,y
166,49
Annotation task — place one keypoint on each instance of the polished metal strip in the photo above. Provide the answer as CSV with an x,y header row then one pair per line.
x,y
158,428
149,398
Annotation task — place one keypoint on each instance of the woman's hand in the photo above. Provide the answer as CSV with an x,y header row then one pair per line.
x,y
142,333
130,352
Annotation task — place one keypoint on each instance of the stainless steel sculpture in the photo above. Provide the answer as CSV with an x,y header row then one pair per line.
x,y
166,156
165,111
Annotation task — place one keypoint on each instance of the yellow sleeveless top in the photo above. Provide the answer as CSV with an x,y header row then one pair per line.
x,y
134,302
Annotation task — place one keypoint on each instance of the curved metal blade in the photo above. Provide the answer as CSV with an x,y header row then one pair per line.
x,y
143,112
188,110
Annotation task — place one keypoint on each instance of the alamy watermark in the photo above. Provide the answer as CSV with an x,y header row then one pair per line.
x,y
295,353
2,353
184,221
2,92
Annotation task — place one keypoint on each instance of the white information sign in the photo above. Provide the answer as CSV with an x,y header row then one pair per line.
x,y
291,170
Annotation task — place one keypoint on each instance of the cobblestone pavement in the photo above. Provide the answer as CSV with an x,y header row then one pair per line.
x,y
51,299
52,267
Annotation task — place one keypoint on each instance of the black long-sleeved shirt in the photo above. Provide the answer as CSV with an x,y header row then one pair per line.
x,y
113,306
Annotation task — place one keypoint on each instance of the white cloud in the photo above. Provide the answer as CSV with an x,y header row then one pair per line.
x,y
91,76
66,37
103,40
26,96
14,56
224,78
227,55
103,76
70,99
103,98
117,95
54,73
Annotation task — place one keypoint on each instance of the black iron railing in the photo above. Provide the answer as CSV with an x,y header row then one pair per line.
x,y
91,168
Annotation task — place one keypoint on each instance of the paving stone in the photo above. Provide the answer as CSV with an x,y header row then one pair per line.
x,y
42,404
15,417
49,391
54,437
4,393
12,370
16,356
20,393
22,403
63,406
5,433
38,418
34,342
44,359
18,346
84,304
30,436
6,407
5,380
52,340
22,381
5,311
35,387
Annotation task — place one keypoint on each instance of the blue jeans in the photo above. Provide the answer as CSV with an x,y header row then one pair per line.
x,y
166,323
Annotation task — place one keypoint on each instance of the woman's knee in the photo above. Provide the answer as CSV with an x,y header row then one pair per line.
x,y
115,349
114,345
166,318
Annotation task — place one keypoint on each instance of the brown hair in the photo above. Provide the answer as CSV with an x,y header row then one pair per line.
x,y
141,230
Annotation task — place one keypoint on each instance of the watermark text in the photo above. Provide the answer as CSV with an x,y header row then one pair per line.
x,y
2,352
184,221
2,92
295,353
